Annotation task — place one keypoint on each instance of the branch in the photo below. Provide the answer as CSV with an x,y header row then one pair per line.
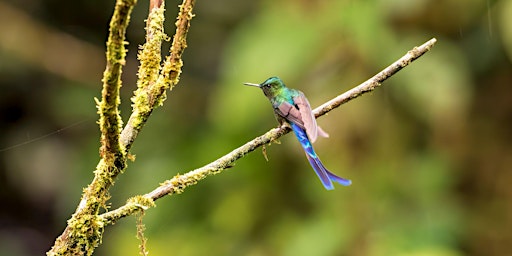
x,y
178,183
376,81
152,95
110,119
85,228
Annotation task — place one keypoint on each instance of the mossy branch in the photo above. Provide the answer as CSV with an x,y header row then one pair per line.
x,y
179,182
150,95
85,228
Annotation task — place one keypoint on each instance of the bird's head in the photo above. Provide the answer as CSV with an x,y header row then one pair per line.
x,y
270,87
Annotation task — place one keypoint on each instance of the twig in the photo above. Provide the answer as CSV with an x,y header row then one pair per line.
x,y
374,82
179,182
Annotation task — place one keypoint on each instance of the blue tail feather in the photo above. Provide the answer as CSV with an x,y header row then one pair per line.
x,y
320,172
325,175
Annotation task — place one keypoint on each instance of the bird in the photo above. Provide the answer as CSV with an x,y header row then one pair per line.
x,y
292,106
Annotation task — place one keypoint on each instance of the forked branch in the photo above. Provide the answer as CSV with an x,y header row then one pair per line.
x,y
85,227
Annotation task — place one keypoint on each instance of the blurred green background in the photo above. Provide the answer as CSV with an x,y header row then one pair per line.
x,y
429,153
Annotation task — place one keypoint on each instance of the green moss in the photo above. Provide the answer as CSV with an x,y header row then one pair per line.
x,y
141,202
85,228
86,233
150,53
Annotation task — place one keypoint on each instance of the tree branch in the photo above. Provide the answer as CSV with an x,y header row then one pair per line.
x,y
376,81
85,228
178,183
152,95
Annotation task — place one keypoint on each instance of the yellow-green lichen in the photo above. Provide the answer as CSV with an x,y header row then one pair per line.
x,y
141,202
150,53
86,231
140,234
150,64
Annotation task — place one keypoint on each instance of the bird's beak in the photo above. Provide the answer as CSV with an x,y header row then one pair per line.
x,y
251,84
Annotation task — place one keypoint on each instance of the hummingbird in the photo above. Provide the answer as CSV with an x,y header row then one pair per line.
x,y
292,107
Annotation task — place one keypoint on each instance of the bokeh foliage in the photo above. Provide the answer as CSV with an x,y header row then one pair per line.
x,y
428,153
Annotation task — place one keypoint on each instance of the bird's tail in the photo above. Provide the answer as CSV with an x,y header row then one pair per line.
x,y
325,175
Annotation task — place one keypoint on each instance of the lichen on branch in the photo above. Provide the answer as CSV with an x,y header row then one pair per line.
x,y
152,94
85,228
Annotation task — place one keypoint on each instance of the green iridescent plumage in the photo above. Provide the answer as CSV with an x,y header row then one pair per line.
x,y
292,106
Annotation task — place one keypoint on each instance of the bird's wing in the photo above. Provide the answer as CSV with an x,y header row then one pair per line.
x,y
290,113
300,113
307,117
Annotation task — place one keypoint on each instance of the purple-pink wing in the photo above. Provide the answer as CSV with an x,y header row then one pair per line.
x,y
290,113
301,114
308,118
